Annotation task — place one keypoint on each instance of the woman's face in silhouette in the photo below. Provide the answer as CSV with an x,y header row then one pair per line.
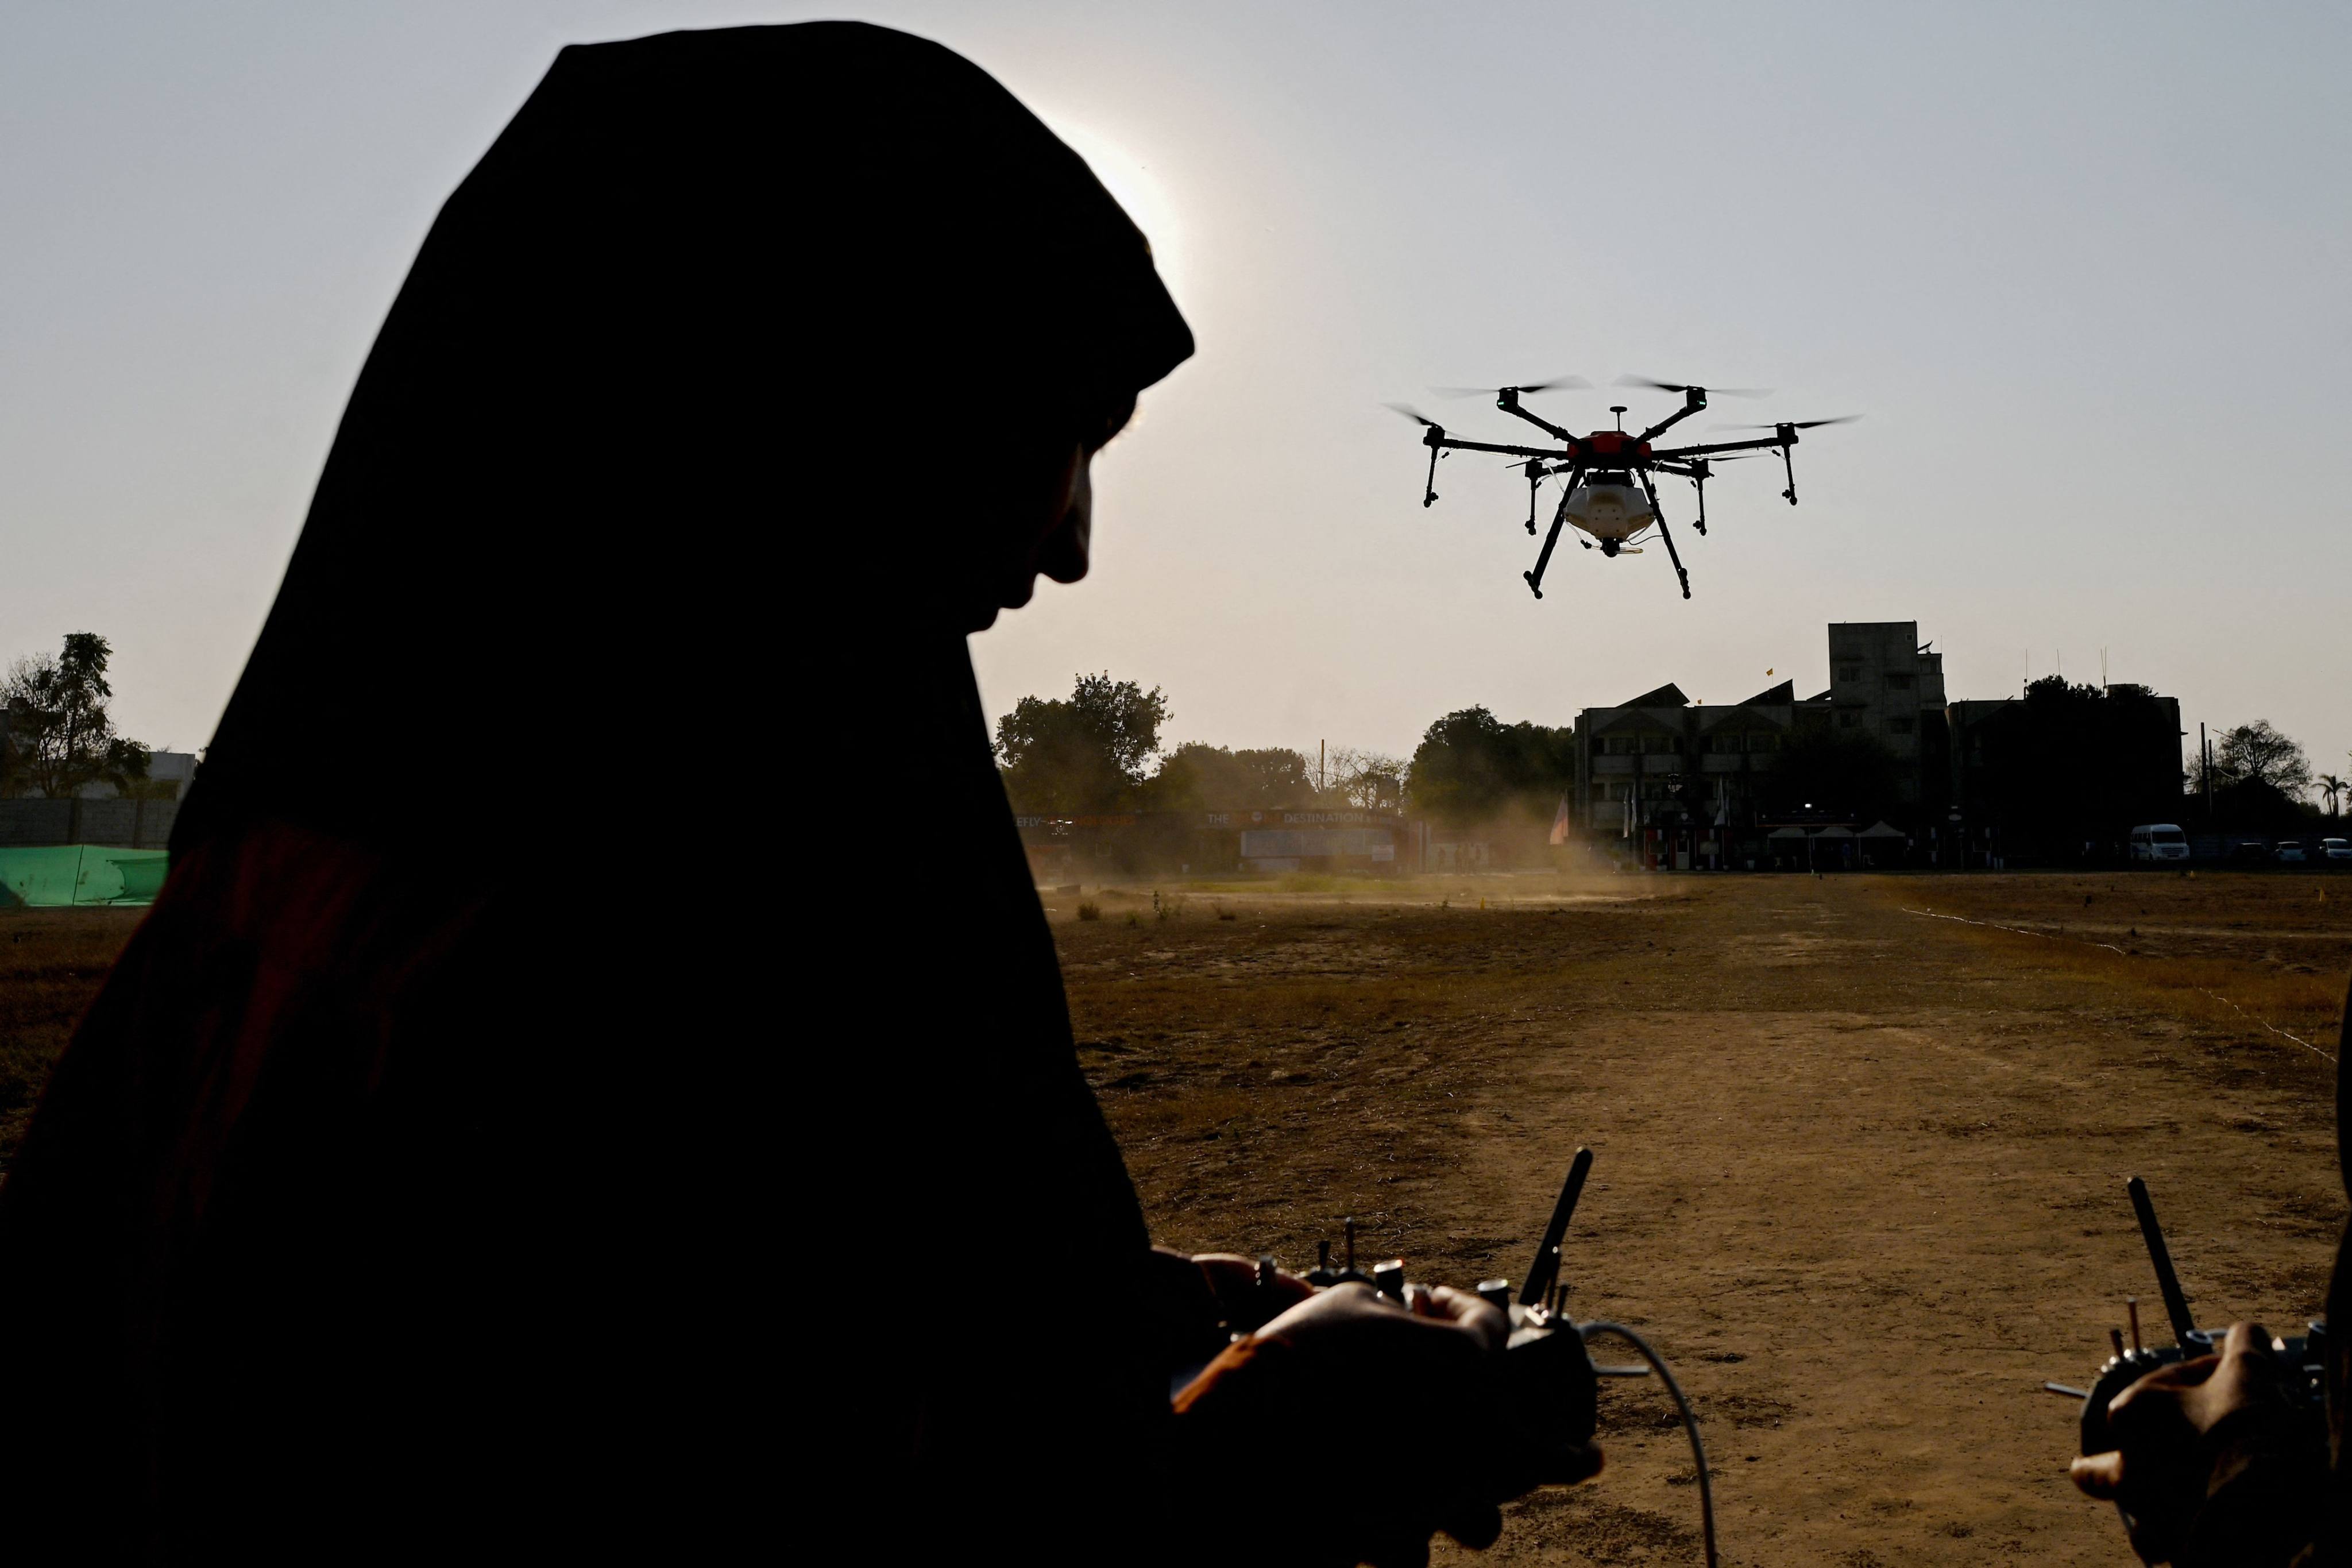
x,y
1043,524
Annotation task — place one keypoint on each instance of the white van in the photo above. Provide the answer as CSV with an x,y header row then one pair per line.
x,y
2159,841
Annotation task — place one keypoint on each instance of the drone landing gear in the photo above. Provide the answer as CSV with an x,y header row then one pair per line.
x,y
1665,532
1699,484
1788,466
1436,435
1559,520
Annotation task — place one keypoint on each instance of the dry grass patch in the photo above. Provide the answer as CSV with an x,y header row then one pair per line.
x,y
2237,954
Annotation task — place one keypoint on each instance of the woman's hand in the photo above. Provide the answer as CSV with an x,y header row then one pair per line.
x,y
2185,1433
1351,1427
1245,1302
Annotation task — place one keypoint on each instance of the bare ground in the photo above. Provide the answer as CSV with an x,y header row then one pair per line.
x,y
1859,1168
51,962
1860,1161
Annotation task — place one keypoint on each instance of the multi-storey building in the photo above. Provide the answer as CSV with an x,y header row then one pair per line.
x,y
1662,760
1883,683
1659,762
2041,777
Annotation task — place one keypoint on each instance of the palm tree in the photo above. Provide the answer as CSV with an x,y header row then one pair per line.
x,y
2331,787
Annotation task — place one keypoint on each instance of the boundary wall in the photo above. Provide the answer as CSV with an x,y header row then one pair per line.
x,y
121,824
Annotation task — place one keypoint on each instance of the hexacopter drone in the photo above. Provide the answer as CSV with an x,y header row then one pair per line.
x,y
1604,468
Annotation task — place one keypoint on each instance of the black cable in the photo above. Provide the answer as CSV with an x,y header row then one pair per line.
x,y
1690,1422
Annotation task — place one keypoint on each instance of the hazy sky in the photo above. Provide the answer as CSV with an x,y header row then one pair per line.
x,y
2084,269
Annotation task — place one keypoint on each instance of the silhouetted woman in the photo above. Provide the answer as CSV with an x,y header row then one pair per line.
x,y
520,1127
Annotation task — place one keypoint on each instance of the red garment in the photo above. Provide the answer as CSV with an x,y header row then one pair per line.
x,y
323,1232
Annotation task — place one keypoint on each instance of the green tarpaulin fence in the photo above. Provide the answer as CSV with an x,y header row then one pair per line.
x,y
79,874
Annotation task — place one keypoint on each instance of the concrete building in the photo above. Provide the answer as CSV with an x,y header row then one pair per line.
x,y
1678,777
2060,774
2042,780
169,775
1885,684
1661,761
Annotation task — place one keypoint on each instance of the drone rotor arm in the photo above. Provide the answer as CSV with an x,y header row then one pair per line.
x,y
1707,450
1461,446
1508,400
1694,400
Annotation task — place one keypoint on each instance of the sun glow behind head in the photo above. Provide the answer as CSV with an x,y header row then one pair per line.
x,y
1132,184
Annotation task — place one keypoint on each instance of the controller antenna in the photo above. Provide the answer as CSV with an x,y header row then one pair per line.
x,y
1348,1225
2176,1305
2115,1337
2131,1306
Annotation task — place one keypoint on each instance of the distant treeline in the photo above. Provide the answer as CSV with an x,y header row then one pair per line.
x,y
1098,750
2066,765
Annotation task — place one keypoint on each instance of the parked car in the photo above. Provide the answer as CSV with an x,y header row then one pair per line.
x,y
2158,841
2290,852
2335,851
2249,852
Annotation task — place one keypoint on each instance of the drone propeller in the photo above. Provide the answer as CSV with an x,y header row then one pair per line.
x,y
1552,385
1413,414
1682,386
1795,424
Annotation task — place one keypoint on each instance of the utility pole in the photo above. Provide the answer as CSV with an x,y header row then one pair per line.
x,y
2205,769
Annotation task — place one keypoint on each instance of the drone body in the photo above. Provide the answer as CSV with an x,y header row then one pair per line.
x,y
1609,493
1608,507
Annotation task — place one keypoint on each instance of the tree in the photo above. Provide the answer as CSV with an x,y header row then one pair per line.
x,y
1368,780
2331,787
1471,767
1197,776
2258,754
1083,754
59,736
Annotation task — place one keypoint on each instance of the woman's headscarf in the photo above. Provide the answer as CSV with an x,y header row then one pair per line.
x,y
514,1098
713,325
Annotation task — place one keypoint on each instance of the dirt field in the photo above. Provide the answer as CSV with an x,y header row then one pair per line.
x,y
1860,1163
1860,1169
51,962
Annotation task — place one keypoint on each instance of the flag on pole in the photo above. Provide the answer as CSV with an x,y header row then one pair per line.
x,y
1559,823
